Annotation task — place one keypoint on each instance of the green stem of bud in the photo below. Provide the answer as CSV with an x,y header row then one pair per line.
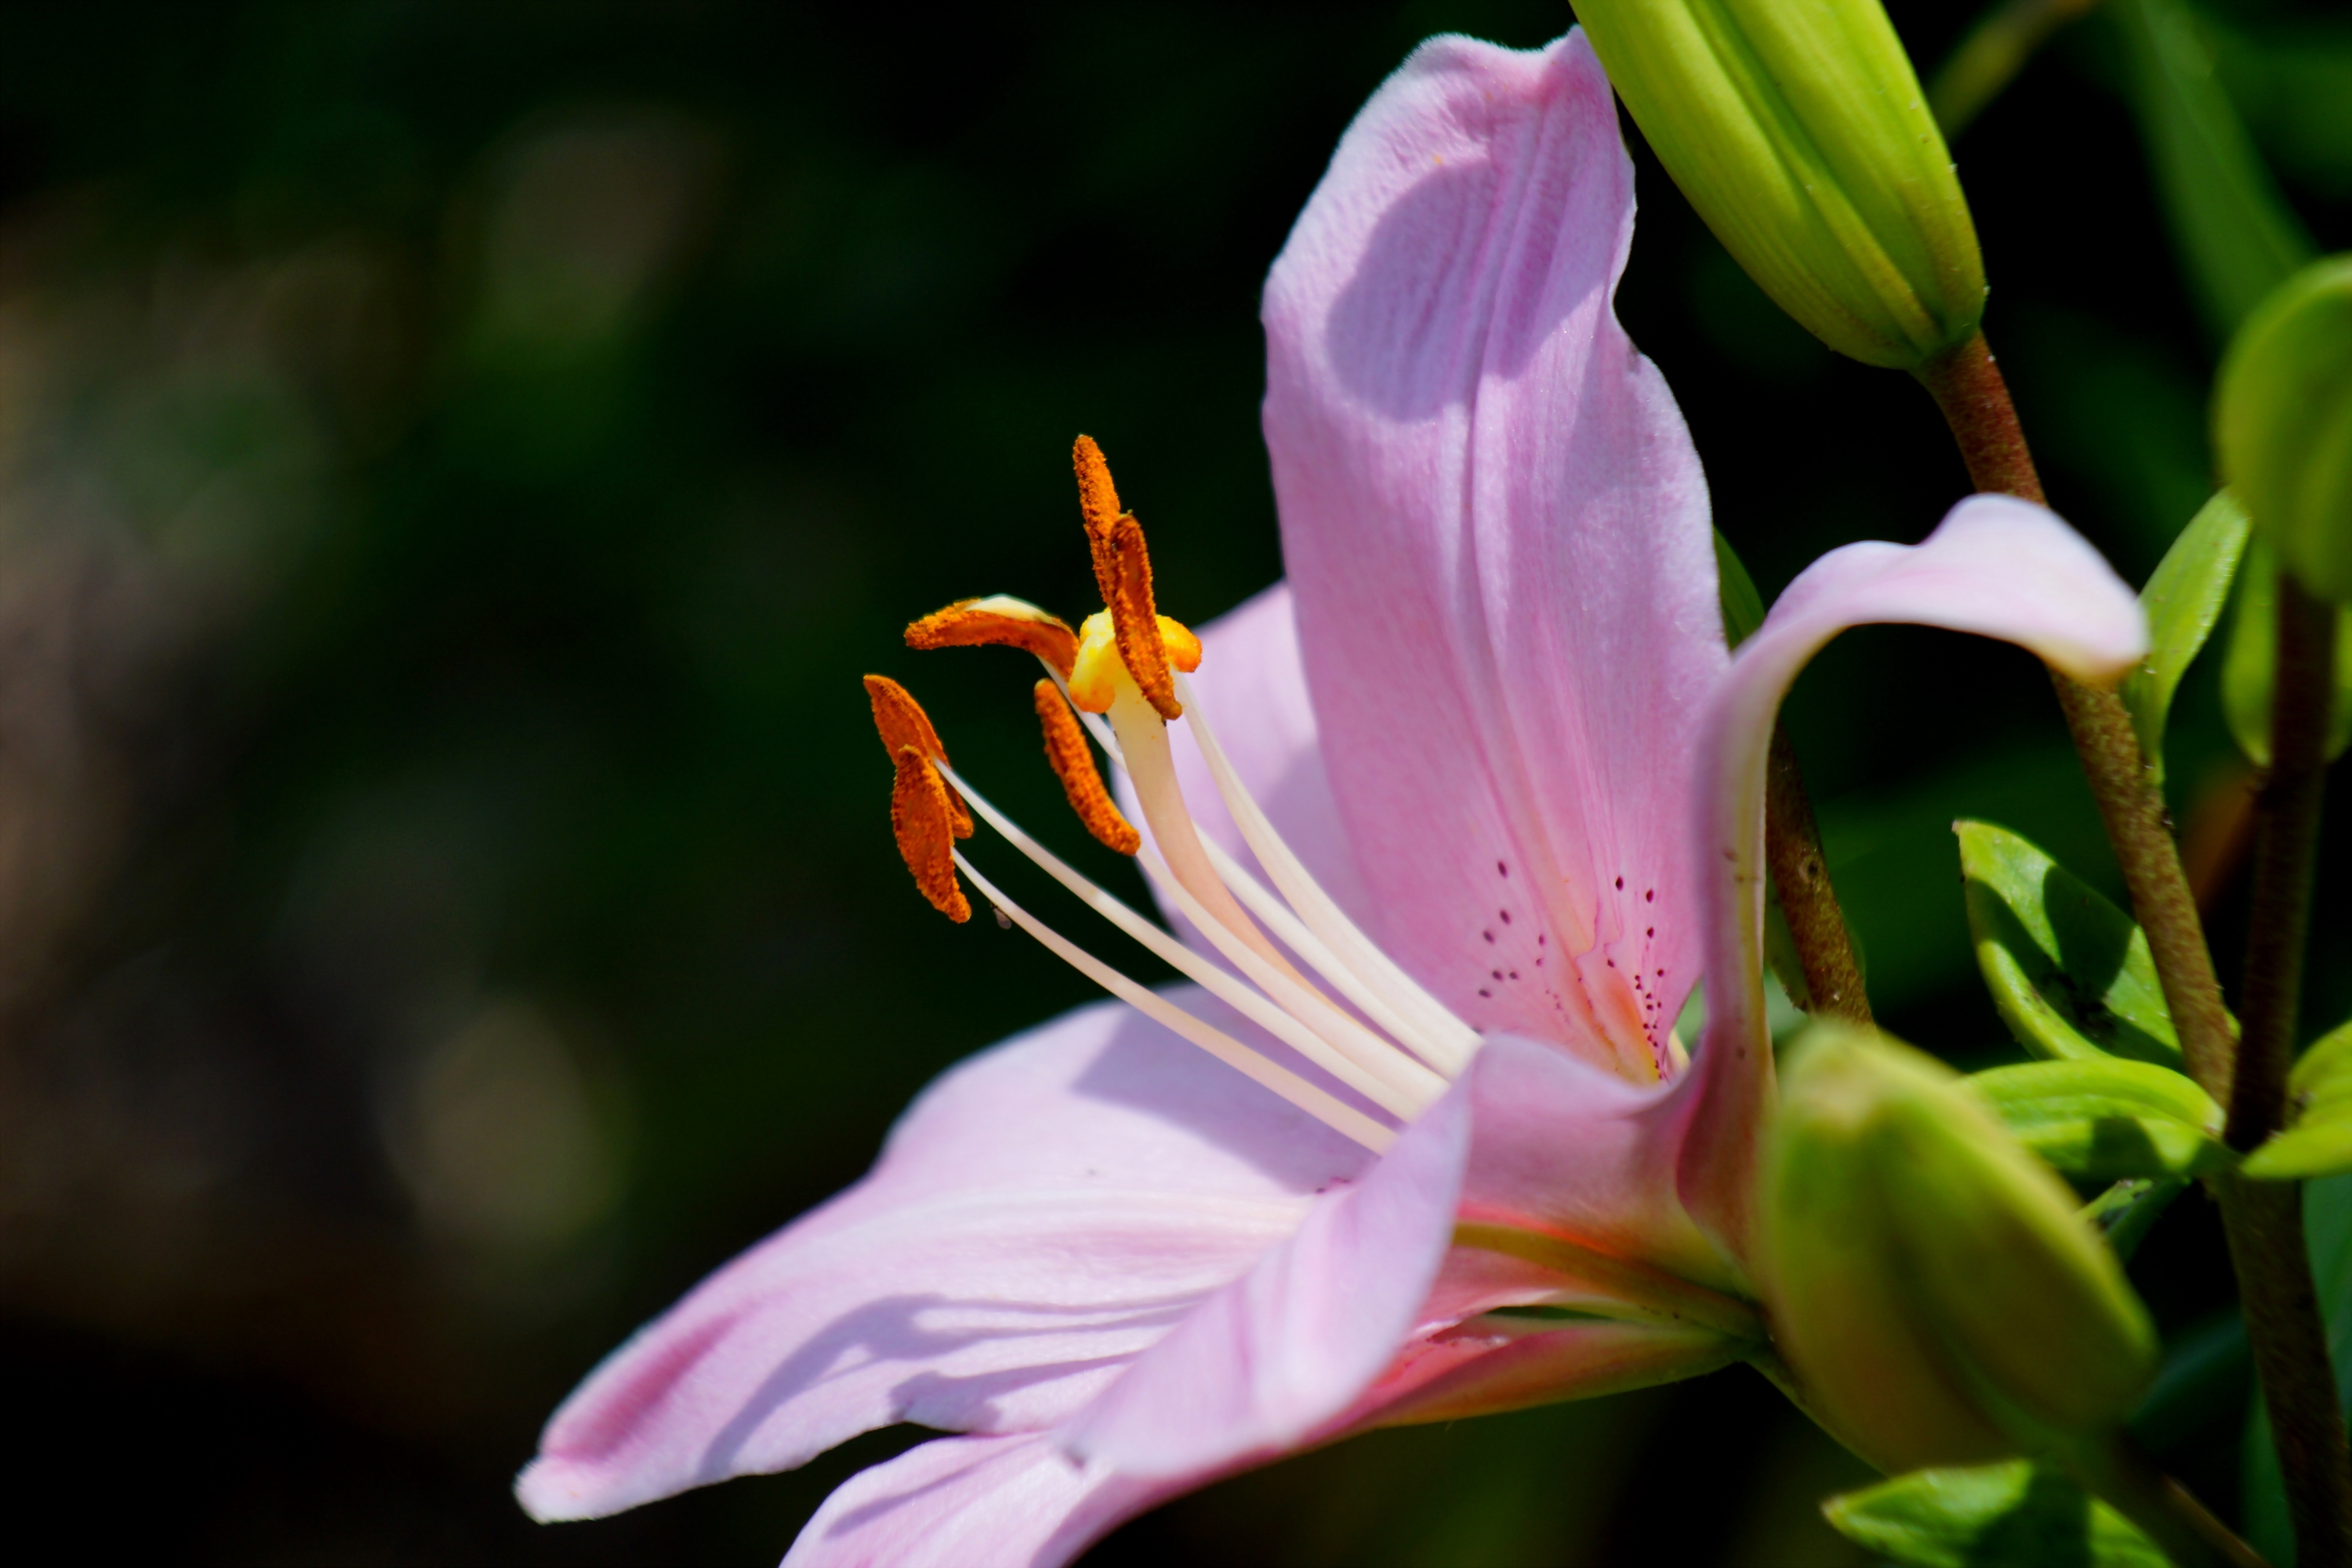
x,y
1792,851
2305,1413
2163,1509
2286,815
2262,1221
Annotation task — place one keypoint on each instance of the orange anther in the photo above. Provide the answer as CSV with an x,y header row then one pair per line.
x,y
1137,623
922,818
1098,504
1074,764
903,724
999,619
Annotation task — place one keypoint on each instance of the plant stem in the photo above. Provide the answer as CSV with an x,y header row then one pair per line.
x,y
1968,387
2317,1468
2287,839
2264,1223
1792,852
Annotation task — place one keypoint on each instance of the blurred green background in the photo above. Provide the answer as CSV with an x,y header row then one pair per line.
x,y
456,459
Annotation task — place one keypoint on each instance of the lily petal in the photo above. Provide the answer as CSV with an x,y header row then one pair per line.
x,y
1497,535
1017,1502
1290,1345
1042,1213
1996,566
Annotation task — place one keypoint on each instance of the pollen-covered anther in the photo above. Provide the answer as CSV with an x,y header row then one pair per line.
x,y
1123,573
1074,764
1002,619
922,818
901,722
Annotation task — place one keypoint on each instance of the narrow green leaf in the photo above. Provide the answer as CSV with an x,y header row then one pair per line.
x,y
2070,973
2017,1513
2253,651
2127,1211
1995,49
2183,600
2106,1119
1743,606
2236,235
2318,1137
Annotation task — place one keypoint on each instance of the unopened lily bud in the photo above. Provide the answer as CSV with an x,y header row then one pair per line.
x,y
2283,420
1930,1282
1800,133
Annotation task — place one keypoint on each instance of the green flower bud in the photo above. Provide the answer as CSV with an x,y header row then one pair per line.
x,y
1930,1283
2283,421
1798,129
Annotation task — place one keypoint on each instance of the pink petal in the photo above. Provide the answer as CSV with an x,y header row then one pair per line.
x,y
1291,1345
1007,1502
1566,1150
1996,566
1497,535
1042,1213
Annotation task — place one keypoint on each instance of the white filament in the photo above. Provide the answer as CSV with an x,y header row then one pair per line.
x,y
1325,1108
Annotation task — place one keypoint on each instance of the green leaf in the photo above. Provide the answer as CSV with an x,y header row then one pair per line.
x,y
2253,651
1743,606
2318,1137
2183,600
2070,973
2017,1513
2106,1119
2236,235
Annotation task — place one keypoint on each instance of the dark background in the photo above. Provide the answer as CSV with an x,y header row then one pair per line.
x,y
455,461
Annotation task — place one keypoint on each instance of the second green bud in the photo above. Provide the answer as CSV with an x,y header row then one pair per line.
x,y
1931,1283
1799,133
2283,420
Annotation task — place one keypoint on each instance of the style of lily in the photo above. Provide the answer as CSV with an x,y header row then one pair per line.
x,y
1454,821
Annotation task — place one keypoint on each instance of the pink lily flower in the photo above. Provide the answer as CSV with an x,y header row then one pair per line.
x,y
1488,747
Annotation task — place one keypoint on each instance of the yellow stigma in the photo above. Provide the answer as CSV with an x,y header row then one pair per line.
x,y
1100,666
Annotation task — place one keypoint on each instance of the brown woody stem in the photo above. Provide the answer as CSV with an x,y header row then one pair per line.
x,y
1792,851
2264,1222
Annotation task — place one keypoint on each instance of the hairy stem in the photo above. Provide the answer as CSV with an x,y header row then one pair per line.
x,y
1792,851
1968,387
2264,1223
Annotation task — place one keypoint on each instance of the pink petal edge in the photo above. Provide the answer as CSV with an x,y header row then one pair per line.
x,y
1996,566
1042,1213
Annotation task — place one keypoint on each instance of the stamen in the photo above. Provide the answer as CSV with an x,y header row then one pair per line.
x,y
1323,1106
1074,764
1385,1082
1098,504
1123,573
999,619
922,818
1430,1022
902,723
